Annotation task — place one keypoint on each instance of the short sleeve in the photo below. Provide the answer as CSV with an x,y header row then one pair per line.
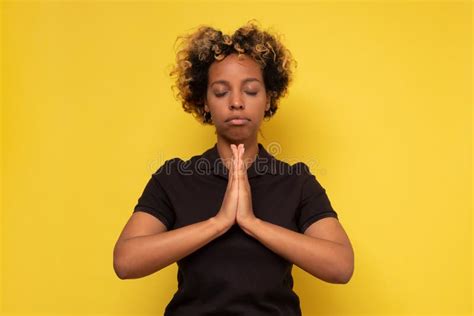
x,y
314,204
155,201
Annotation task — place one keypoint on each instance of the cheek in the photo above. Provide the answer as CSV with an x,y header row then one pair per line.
x,y
257,104
214,104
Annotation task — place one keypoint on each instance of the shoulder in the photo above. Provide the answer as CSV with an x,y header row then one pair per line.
x,y
299,170
176,167
168,168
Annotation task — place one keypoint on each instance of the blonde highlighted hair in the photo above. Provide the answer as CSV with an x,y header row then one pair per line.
x,y
199,49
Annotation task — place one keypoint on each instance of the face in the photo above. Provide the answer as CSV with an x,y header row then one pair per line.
x,y
235,89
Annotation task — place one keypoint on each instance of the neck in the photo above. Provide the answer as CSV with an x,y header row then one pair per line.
x,y
225,152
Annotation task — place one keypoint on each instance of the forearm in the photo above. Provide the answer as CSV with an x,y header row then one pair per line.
x,y
324,259
144,255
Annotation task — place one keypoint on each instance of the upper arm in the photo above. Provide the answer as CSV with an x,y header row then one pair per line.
x,y
314,204
141,224
329,228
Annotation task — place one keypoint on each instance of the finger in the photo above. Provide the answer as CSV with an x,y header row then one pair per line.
x,y
234,162
234,149
231,166
243,175
237,159
241,160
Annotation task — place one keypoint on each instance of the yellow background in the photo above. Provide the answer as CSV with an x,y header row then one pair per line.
x,y
380,108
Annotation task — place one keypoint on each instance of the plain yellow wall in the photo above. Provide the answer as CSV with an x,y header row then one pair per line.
x,y
380,108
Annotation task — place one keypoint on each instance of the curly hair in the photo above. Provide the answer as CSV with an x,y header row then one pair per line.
x,y
201,48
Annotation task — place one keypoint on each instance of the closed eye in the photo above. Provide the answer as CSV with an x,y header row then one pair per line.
x,y
224,93
220,94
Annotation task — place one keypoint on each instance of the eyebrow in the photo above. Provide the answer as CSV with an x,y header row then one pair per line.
x,y
228,83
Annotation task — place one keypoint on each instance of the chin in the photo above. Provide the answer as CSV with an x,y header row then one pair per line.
x,y
235,137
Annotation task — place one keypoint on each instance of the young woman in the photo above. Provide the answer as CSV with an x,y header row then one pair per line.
x,y
235,218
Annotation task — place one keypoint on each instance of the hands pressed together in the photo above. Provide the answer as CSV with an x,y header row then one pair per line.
x,y
237,203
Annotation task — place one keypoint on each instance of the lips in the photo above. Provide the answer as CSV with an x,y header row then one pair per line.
x,y
237,118
238,122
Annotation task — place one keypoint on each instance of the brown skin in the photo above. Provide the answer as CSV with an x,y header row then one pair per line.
x,y
323,250
234,97
236,88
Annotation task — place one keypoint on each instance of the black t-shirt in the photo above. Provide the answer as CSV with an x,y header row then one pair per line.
x,y
234,274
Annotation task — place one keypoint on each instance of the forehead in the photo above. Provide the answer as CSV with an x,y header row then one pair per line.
x,y
234,67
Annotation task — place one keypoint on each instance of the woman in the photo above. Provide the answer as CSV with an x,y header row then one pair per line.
x,y
235,218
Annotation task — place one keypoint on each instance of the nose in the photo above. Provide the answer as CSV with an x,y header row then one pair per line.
x,y
236,102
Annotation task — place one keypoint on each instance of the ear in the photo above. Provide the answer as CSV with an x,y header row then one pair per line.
x,y
269,99
206,108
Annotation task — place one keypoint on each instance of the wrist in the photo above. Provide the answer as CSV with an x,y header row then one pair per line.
x,y
221,224
248,225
